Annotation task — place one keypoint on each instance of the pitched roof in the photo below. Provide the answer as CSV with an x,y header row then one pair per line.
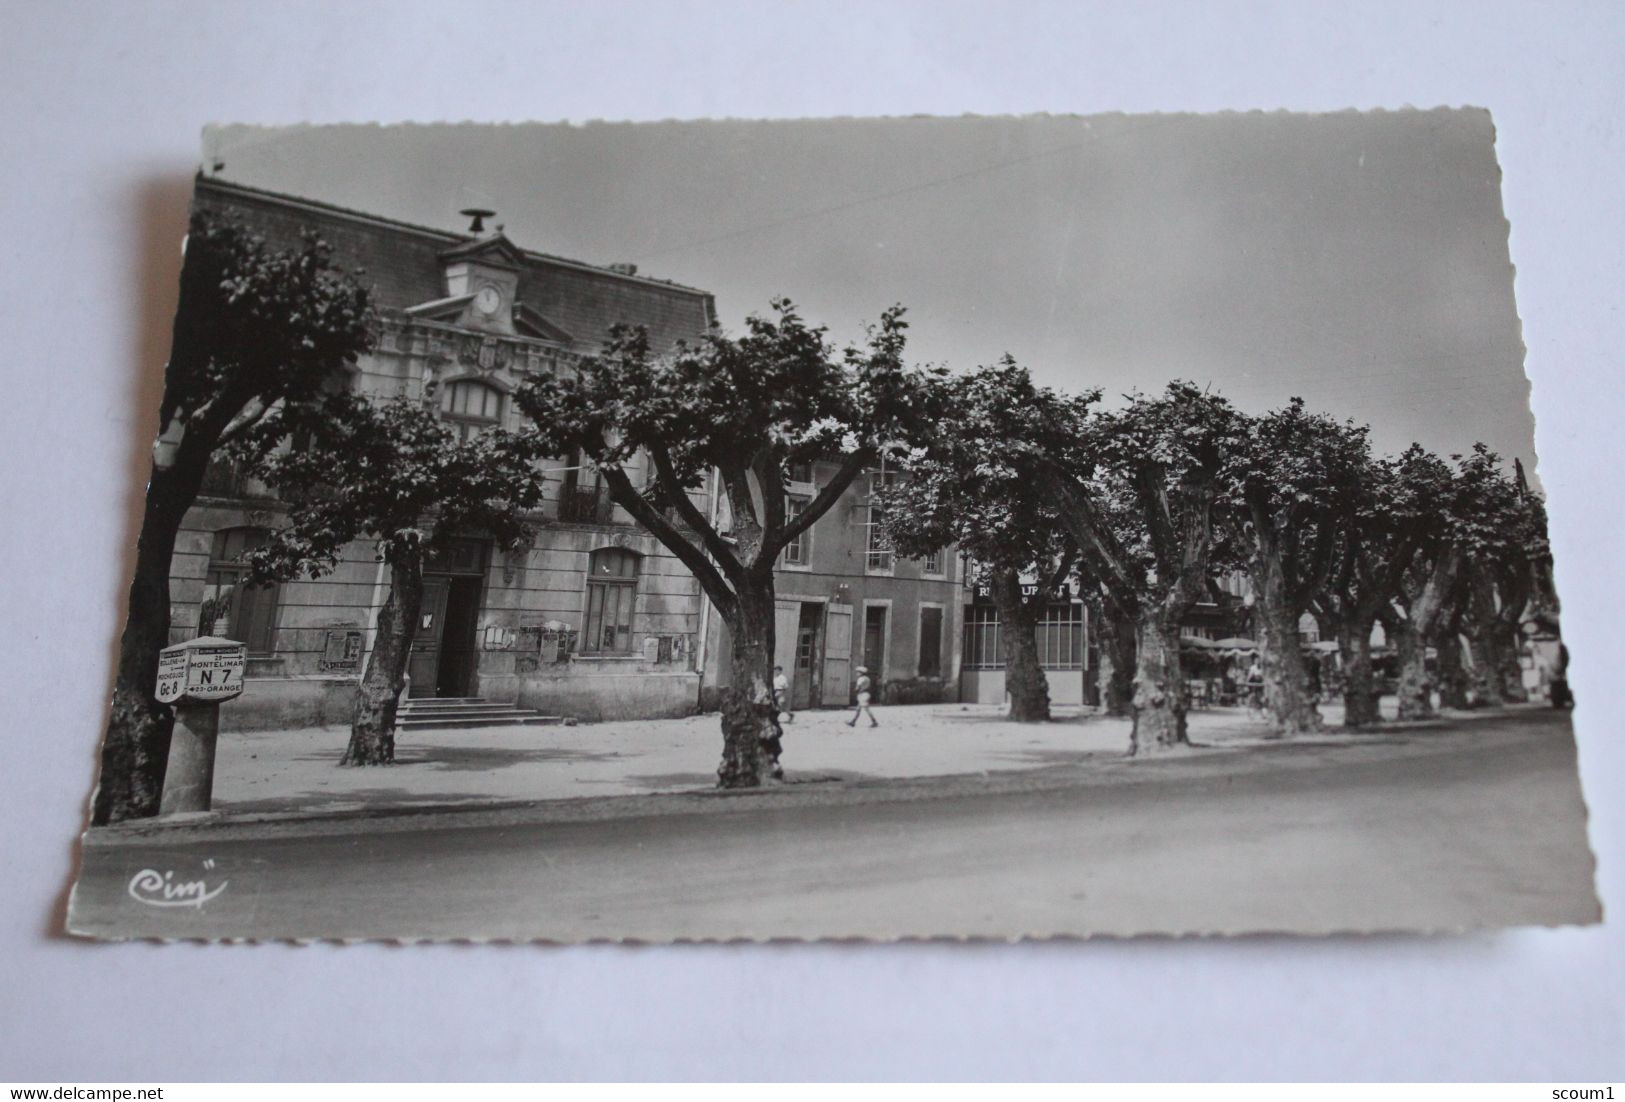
x,y
402,264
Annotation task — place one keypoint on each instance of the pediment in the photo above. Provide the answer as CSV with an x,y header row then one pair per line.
x,y
494,250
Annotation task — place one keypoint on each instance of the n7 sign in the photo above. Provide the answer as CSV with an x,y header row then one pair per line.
x,y
202,670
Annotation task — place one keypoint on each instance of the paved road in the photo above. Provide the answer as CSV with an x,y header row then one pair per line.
x,y
1437,831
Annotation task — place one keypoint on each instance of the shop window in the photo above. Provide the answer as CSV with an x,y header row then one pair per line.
x,y
1060,635
612,589
231,607
471,407
982,643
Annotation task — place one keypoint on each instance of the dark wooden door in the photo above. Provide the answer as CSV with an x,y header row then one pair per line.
x,y
874,645
806,682
424,666
459,650
801,684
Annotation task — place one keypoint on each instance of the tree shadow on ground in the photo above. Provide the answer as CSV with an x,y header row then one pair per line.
x,y
1061,757
355,800
669,780
477,758
1057,719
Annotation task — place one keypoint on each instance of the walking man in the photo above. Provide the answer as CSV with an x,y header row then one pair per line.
x,y
863,686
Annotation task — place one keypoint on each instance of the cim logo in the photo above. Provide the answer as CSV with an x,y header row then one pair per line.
x,y
161,889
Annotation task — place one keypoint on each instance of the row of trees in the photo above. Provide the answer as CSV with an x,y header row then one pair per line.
x,y
263,345
1148,503
1145,503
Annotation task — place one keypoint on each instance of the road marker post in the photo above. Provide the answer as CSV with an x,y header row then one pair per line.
x,y
196,676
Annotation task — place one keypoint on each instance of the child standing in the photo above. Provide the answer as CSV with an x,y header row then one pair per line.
x,y
863,686
781,694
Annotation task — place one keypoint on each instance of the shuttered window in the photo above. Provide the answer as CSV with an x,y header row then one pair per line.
x,y
231,607
612,590
930,642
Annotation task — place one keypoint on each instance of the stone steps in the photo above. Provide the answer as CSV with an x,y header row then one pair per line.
x,y
453,713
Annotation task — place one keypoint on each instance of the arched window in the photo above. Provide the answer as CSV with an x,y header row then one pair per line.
x,y
471,407
232,608
612,589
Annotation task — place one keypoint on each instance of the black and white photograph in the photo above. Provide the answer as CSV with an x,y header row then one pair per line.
x,y
980,527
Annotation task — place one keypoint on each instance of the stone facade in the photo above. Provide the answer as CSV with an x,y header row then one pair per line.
x,y
464,319
594,619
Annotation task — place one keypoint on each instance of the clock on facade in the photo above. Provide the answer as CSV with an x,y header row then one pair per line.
x,y
487,300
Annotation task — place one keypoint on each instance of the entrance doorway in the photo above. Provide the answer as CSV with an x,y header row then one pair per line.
x,y
806,686
445,654
874,645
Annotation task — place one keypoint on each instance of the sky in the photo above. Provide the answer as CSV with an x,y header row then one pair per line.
x,y
1356,260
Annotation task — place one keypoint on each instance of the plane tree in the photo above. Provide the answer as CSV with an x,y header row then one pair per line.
x,y
1505,549
1290,481
256,329
1382,522
1141,490
1474,504
749,408
968,482
394,473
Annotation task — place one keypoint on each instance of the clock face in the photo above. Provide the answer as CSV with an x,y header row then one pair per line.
x,y
487,300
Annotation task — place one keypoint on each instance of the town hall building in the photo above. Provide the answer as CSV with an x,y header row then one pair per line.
x,y
594,618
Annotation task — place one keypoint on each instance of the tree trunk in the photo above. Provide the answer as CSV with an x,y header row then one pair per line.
x,y
138,728
1481,624
1410,651
1452,673
1159,685
1024,677
1483,675
1116,673
1516,586
1422,615
1361,705
372,721
1292,709
749,734
1504,649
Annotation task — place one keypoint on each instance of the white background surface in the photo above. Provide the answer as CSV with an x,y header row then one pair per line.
x,y
98,138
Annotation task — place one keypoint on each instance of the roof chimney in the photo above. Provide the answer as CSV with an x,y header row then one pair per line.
x,y
623,268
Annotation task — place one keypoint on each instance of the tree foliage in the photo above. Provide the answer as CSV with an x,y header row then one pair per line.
x,y
969,483
1139,488
396,474
1292,480
747,407
256,330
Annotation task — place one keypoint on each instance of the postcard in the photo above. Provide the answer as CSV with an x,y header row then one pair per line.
x,y
884,528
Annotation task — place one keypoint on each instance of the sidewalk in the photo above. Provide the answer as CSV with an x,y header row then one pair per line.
x,y
296,771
